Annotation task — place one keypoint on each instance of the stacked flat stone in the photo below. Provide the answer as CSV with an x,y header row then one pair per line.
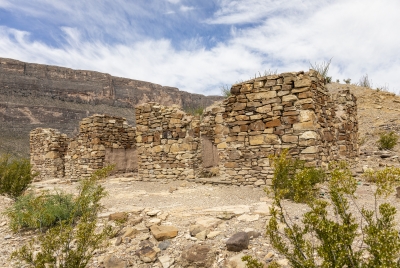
x,y
290,111
86,153
232,141
167,142
48,148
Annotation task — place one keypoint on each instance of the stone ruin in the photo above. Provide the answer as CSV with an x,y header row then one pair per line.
x,y
230,143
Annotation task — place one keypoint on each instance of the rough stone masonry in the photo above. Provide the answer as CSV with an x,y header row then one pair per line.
x,y
230,143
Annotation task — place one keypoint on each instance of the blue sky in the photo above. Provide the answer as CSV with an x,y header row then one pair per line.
x,y
201,45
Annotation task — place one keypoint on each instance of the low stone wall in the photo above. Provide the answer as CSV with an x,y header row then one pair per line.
x,y
48,147
231,142
167,142
87,152
102,140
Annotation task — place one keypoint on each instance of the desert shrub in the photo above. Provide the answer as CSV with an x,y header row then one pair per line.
x,y
322,69
347,81
328,233
387,177
71,242
40,212
387,140
15,175
364,82
383,88
195,111
295,180
225,91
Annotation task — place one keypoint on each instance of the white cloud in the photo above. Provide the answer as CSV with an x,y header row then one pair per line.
x,y
174,1
186,8
360,35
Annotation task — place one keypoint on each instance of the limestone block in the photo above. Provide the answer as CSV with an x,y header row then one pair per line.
x,y
264,109
222,145
290,138
261,95
219,119
309,135
310,150
305,82
273,123
304,126
307,115
289,98
239,106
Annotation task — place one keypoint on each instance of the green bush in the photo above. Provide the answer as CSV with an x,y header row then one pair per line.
x,y
387,140
40,212
15,175
71,242
328,235
295,180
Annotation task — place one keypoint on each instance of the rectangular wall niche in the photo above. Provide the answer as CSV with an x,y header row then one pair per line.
x,y
125,160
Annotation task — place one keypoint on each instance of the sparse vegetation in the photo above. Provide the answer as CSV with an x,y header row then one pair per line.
x,y
322,69
365,82
387,140
347,81
329,234
383,88
40,212
195,111
225,91
71,242
293,179
15,175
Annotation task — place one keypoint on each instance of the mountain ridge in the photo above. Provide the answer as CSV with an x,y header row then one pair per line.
x,y
37,95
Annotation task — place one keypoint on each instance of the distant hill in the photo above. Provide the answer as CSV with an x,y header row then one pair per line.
x,y
37,95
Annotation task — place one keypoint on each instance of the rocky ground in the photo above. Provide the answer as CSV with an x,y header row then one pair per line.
x,y
203,218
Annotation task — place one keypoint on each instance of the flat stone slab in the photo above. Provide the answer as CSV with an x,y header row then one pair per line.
x,y
249,218
237,210
262,208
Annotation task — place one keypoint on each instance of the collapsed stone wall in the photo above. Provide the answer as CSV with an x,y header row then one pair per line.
x,y
167,142
48,147
290,111
102,140
99,135
232,141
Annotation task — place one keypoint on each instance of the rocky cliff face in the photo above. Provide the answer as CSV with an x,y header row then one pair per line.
x,y
36,95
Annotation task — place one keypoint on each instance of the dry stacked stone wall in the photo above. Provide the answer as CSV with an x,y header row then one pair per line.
x,y
290,111
87,152
167,141
48,147
54,155
230,143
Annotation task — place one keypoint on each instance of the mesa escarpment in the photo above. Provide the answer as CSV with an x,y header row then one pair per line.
x,y
35,95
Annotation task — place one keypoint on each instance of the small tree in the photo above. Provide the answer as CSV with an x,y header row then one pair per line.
x,y
331,240
71,243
